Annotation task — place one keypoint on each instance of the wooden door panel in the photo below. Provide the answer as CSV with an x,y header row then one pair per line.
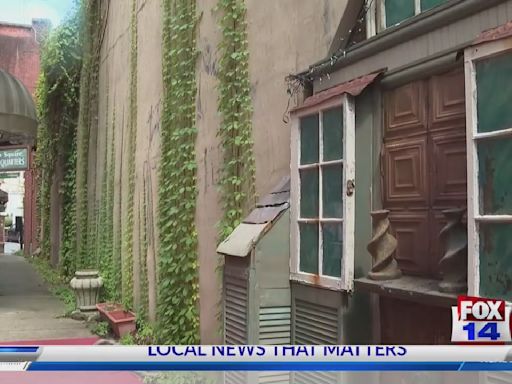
x,y
405,170
448,177
448,108
405,111
411,232
409,323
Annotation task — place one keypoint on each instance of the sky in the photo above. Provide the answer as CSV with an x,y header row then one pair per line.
x,y
23,11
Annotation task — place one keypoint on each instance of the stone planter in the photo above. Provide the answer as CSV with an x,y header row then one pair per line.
x,y
87,285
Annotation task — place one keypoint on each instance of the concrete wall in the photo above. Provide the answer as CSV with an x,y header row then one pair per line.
x,y
284,37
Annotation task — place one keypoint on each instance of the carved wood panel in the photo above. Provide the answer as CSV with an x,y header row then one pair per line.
x,y
448,173
411,232
405,111
423,165
448,108
406,172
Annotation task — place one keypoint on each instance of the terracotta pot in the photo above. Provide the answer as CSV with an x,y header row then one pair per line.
x,y
87,285
122,322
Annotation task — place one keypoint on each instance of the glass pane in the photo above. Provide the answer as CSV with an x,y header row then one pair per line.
x,y
494,90
333,134
309,139
309,193
427,4
496,260
398,10
333,249
495,176
332,191
309,248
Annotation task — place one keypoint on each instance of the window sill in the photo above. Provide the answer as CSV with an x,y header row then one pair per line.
x,y
410,288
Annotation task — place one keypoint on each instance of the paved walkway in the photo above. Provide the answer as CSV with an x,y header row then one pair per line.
x,y
28,311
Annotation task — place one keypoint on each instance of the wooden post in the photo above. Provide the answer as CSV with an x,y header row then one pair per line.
x,y
382,247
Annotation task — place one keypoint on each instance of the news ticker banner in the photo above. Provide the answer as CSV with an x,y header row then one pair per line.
x,y
257,358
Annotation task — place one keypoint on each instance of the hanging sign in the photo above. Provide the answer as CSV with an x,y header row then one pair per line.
x,y
13,158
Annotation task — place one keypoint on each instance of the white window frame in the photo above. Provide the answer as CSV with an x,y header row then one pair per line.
x,y
376,20
346,281
471,56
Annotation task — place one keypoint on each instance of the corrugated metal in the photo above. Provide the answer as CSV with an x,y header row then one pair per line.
x,y
274,378
275,326
315,324
315,378
235,307
353,87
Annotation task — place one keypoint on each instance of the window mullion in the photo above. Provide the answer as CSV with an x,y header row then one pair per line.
x,y
417,7
320,191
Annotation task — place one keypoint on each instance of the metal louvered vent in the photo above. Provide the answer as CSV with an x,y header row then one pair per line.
x,y
275,325
236,377
315,377
315,324
235,310
497,378
274,378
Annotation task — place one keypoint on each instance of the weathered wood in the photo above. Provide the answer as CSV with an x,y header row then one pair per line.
x,y
262,215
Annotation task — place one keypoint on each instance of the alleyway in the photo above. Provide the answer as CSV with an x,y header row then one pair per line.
x,y
28,311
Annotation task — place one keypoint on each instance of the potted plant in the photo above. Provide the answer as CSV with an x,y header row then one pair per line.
x,y
121,321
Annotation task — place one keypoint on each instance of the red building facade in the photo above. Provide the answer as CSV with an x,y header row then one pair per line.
x,y
20,56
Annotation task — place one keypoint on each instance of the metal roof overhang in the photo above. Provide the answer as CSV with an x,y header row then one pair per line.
x,y
18,118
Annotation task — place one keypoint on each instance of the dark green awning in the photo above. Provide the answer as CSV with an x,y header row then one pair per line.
x,y
18,119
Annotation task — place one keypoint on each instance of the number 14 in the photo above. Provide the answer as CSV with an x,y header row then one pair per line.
x,y
488,331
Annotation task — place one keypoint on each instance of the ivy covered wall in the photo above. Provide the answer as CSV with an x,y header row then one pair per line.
x,y
179,111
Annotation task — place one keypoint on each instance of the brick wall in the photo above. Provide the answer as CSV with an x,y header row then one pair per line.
x,y
19,51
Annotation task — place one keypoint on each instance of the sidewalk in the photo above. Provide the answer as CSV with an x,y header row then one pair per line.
x,y
28,311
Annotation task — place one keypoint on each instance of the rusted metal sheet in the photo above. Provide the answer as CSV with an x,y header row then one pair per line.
x,y
263,215
501,32
353,87
274,199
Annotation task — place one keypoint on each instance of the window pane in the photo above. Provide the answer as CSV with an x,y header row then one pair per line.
x,y
309,140
496,260
398,10
333,249
309,248
495,176
332,191
309,193
494,90
333,134
427,4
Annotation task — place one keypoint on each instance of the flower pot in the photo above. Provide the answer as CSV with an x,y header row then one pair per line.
x,y
122,322
87,285
104,308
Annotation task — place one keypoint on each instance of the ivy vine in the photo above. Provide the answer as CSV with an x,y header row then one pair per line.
x,y
127,260
178,267
85,221
57,104
235,132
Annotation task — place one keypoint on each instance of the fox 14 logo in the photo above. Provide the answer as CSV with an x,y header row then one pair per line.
x,y
476,320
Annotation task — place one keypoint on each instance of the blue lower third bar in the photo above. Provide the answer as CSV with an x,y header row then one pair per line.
x,y
22,349
247,366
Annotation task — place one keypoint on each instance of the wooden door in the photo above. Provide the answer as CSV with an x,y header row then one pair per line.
x,y
423,165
